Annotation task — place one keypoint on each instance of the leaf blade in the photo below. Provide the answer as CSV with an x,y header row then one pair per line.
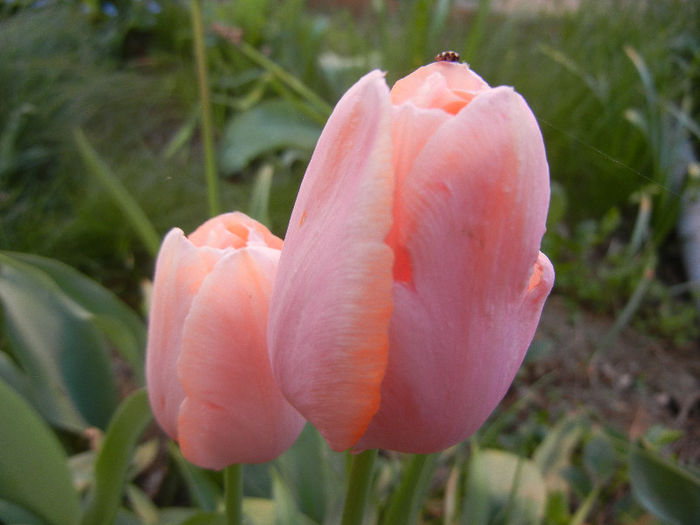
x,y
33,466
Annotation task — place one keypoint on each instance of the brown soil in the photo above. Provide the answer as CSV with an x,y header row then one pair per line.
x,y
632,383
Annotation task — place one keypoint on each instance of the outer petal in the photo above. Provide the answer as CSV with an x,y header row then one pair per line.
x,y
332,299
180,269
234,412
473,214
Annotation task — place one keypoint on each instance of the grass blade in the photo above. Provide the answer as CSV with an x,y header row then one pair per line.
x,y
131,209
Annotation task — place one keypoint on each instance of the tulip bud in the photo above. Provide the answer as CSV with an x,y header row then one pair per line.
x,y
207,369
411,280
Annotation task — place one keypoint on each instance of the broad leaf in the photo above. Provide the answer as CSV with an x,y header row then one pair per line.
x,y
58,347
554,453
503,488
666,490
304,468
33,467
121,325
270,126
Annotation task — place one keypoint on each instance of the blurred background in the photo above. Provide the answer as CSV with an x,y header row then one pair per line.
x,y
100,148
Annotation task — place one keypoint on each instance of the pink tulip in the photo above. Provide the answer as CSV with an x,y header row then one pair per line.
x,y
207,368
411,280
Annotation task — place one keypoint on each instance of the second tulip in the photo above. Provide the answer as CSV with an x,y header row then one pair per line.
x,y
207,367
411,280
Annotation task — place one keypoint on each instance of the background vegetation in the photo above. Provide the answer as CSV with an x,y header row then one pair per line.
x,y
100,154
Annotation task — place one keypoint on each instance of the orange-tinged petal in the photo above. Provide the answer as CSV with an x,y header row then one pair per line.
x,y
445,85
473,211
233,230
180,269
330,311
233,411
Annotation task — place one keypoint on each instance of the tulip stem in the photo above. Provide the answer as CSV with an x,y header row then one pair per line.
x,y
406,501
233,494
358,487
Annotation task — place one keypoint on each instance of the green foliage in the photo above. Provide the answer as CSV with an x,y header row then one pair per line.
x,y
124,329
33,468
663,488
504,488
268,127
57,344
114,457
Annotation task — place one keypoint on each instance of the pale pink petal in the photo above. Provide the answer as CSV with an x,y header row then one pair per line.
x,y
180,269
233,412
445,85
473,214
329,316
411,130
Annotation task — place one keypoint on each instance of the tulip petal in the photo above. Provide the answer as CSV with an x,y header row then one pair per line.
x,y
445,85
180,270
473,214
233,412
233,230
332,298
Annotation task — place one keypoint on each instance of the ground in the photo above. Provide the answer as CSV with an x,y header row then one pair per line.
x,y
635,382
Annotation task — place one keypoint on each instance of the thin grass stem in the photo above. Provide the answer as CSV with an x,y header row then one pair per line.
x,y
205,103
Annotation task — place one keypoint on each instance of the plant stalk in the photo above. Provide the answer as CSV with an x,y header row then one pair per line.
x,y
205,102
358,487
233,494
406,501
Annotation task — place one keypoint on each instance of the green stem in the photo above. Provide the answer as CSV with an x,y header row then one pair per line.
x,y
406,501
207,127
358,487
233,494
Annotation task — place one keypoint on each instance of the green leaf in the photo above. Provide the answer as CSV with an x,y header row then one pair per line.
x,y
259,511
505,486
666,490
10,513
14,377
113,458
206,518
600,458
188,515
286,512
407,499
133,213
260,196
58,347
33,467
203,490
126,517
125,329
269,126
142,505
82,467
304,467
658,436
554,453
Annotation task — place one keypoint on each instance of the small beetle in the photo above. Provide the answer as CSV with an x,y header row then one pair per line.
x,y
447,56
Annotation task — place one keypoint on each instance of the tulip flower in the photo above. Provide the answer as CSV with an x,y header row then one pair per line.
x,y
207,368
411,280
